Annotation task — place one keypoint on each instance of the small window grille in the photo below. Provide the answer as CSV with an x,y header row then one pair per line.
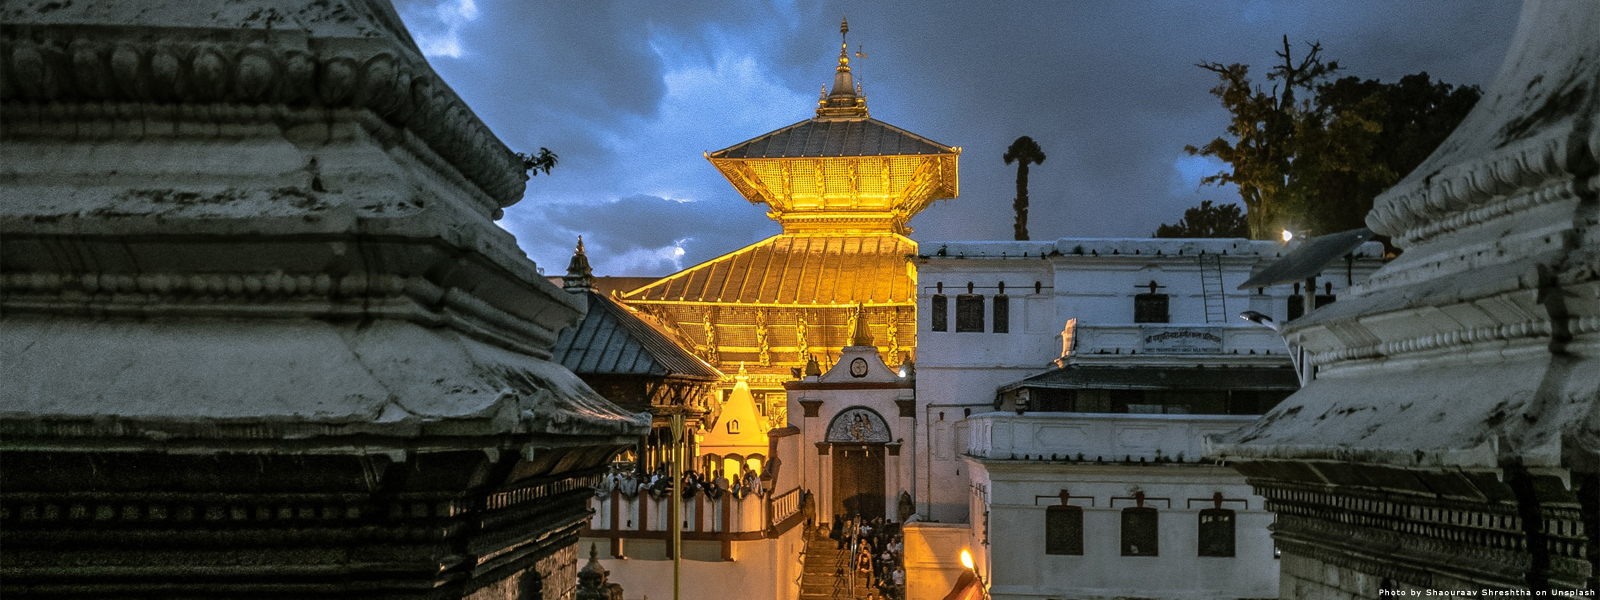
x,y
969,313
1002,314
1216,532
940,315
1150,308
1141,531
1063,530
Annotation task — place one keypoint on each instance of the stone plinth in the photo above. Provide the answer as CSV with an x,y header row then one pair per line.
x,y
260,333
1451,439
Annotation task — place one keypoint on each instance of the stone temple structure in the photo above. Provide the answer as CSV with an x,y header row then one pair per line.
x,y
1451,437
259,333
844,186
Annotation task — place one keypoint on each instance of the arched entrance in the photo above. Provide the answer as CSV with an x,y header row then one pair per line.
x,y
857,436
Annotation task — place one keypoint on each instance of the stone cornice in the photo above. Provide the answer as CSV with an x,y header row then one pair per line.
x,y
119,68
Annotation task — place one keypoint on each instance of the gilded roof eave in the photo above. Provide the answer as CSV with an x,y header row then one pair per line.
x,y
796,270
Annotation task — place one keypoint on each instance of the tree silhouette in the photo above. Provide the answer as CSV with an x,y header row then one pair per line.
x,y
543,161
1312,152
1207,221
1024,152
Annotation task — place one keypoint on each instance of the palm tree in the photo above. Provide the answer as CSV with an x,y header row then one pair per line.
x,y
1024,151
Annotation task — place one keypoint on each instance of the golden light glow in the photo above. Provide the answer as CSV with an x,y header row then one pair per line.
x,y
1287,235
966,559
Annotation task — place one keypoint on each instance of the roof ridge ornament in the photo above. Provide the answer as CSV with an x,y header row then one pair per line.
x,y
579,277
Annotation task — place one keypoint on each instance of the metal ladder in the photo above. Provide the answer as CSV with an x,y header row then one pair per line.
x,y
1211,288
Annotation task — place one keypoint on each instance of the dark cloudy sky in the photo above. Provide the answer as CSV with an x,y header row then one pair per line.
x,y
631,93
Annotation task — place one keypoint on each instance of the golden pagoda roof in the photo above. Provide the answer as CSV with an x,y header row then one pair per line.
x,y
841,172
835,138
797,270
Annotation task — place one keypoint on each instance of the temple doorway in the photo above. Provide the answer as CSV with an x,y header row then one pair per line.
x,y
858,436
858,480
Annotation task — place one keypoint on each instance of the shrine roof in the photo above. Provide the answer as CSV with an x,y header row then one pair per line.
x,y
831,138
612,340
797,270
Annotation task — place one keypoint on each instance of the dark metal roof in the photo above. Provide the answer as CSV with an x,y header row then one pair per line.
x,y
820,138
611,340
796,269
1309,259
1164,378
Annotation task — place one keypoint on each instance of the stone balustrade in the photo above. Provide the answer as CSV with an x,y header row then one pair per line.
x,y
1095,437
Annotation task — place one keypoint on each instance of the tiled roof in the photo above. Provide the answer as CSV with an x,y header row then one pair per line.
x,y
819,138
611,340
797,269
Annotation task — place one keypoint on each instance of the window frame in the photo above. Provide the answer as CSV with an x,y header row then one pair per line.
x,y
1063,540
1002,314
1144,304
969,313
1232,532
939,315
1130,518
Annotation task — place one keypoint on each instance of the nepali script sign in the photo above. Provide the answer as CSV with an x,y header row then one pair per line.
x,y
1181,340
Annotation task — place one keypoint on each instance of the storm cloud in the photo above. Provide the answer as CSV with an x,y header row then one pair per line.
x,y
631,94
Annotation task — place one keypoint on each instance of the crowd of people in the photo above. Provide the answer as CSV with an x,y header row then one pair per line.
x,y
877,551
658,483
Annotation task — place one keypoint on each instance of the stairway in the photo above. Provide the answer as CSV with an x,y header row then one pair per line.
x,y
1211,288
822,561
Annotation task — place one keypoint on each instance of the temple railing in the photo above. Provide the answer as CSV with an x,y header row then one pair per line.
x,y
785,505
726,518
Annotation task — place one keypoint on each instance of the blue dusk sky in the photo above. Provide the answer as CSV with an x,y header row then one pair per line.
x,y
630,94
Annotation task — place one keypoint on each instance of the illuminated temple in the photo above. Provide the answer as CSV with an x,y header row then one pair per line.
x,y
843,185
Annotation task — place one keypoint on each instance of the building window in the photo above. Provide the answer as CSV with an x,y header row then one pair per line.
x,y
1140,531
1063,530
1002,314
1216,532
1150,308
941,312
969,313
733,427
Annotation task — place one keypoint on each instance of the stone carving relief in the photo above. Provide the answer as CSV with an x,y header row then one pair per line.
x,y
858,425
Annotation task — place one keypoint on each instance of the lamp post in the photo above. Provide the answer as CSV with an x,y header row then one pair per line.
x,y
674,504
1294,351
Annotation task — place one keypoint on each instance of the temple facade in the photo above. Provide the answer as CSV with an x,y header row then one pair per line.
x,y
844,186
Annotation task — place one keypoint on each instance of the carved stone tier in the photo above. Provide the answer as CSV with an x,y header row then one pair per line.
x,y
1451,436
261,335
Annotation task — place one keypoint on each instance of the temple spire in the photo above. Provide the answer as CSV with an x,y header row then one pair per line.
x,y
845,99
579,277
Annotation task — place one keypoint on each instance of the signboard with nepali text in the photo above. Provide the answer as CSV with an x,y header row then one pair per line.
x,y
1181,340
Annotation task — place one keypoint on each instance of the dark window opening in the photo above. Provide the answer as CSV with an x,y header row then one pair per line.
x,y
969,313
1150,308
1297,304
940,307
1054,400
1002,314
1063,530
1216,532
1141,529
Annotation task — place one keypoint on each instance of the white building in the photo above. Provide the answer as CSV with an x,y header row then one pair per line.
x,y
1065,390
